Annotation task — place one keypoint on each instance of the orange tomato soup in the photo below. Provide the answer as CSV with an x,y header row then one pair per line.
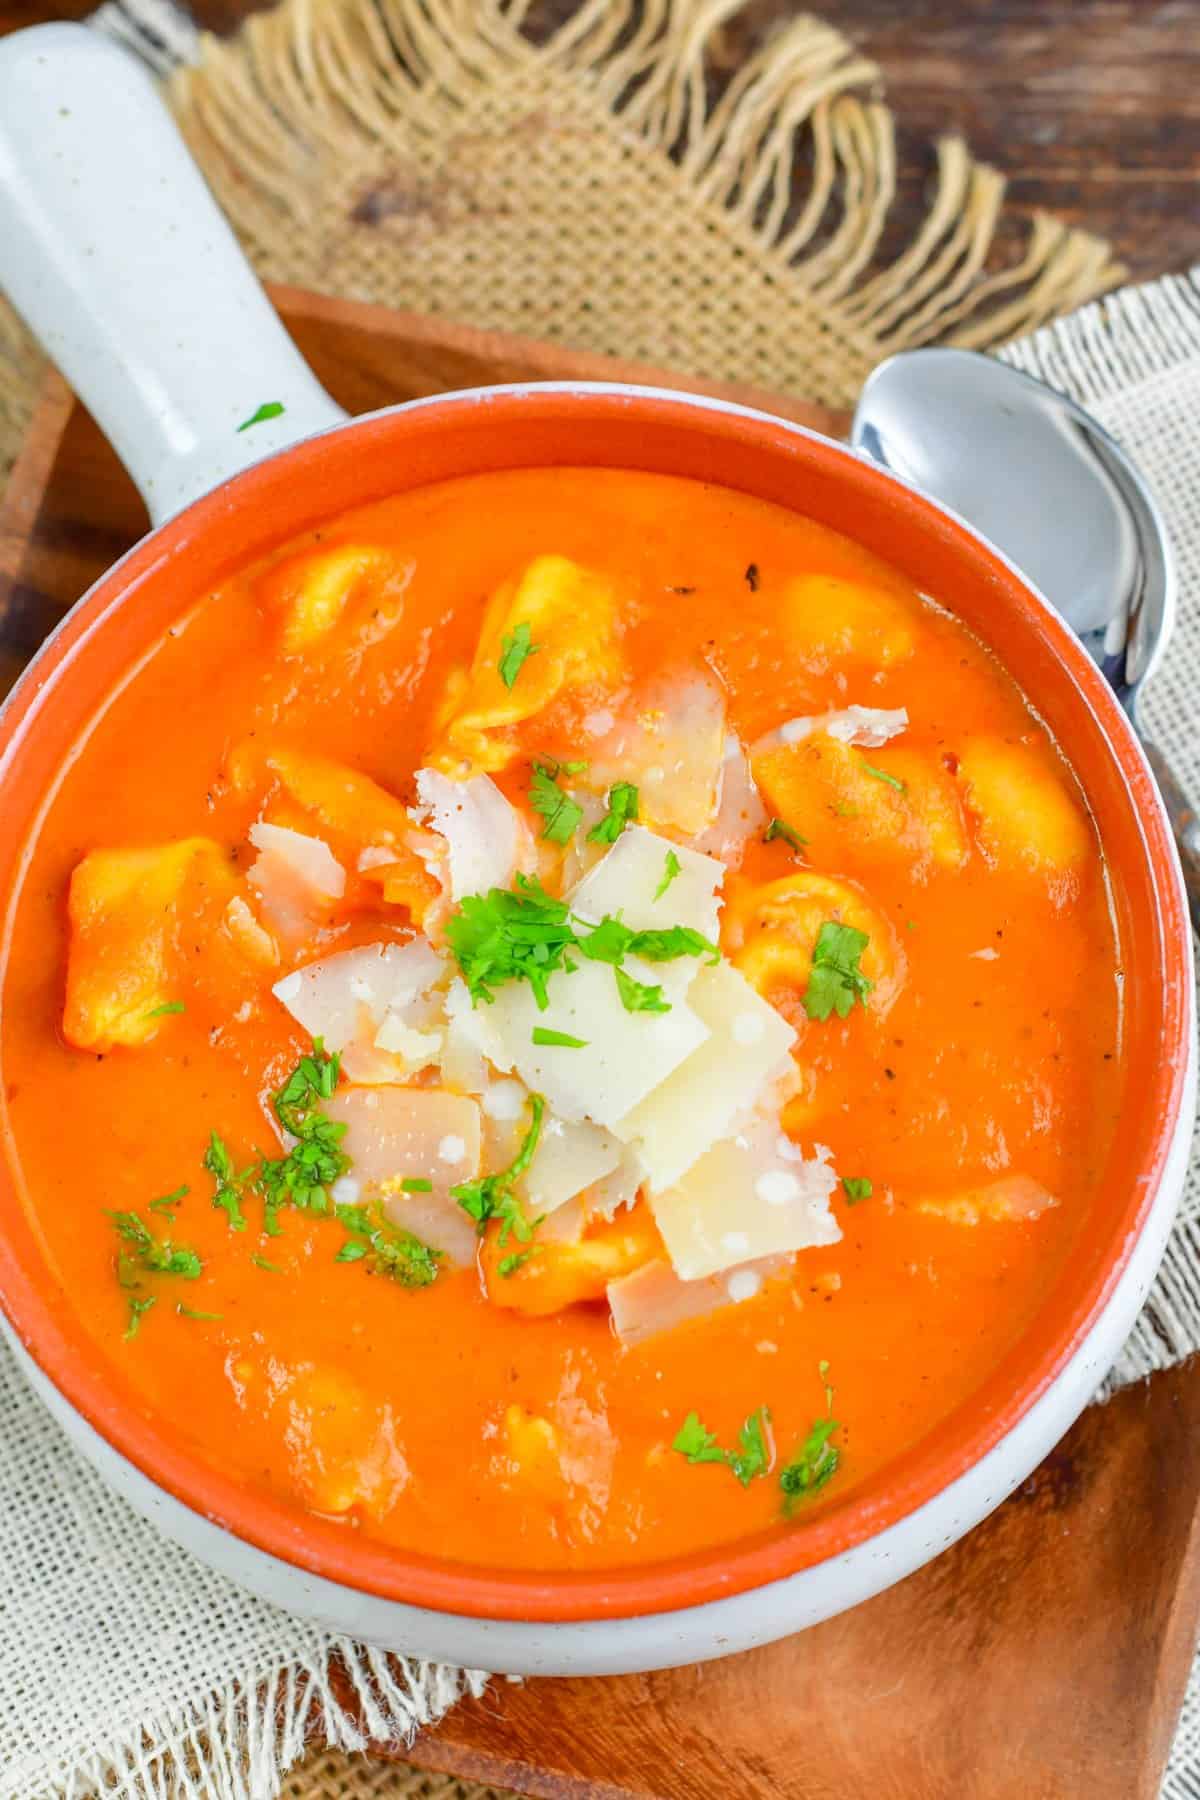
x,y
820,1110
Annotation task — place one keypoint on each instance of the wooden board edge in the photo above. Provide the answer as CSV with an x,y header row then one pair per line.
x,y
549,362
30,474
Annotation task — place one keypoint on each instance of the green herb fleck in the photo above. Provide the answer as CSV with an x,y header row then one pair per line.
x,y
150,1255
387,1250
260,1262
857,1187
622,811
639,996
166,1202
137,1309
416,1184
491,1196
778,828
508,1265
836,981
673,942
560,812
560,1038
270,409
190,1312
671,868
168,1006
814,1464
893,781
227,1195
750,1460
516,646
143,1254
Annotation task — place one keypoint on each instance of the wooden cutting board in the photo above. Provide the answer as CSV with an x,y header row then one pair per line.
x,y
1042,1658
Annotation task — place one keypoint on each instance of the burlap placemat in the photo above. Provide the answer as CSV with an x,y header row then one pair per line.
x,y
623,183
627,184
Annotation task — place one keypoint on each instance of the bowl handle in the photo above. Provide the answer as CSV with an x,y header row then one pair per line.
x,y
114,250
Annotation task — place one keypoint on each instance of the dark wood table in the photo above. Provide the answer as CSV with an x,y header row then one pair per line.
x,y
1090,107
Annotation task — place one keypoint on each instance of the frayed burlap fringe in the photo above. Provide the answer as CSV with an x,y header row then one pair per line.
x,y
228,1745
590,189
597,187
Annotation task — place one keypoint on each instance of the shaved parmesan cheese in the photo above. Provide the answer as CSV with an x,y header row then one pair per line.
x,y
867,726
396,1132
416,1049
488,839
570,1156
351,994
619,1189
741,814
297,879
625,1054
653,1299
627,880
722,1079
471,1042
671,750
309,859
718,1216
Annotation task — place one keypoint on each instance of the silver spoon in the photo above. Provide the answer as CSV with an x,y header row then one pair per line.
x,y
1039,477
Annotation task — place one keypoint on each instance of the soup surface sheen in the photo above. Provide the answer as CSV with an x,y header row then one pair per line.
x,y
759,1223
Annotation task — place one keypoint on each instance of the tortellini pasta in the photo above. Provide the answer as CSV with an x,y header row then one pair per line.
x,y
124,907
565,620
894,805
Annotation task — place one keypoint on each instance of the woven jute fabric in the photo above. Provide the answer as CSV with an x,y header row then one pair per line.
x,y
620,184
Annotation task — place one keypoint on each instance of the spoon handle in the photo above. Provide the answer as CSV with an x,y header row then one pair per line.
x,y
1184,824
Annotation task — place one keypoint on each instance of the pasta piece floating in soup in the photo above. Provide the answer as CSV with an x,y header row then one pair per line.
x,y
550,1051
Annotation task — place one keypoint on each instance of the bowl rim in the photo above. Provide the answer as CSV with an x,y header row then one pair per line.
x,y
66,1354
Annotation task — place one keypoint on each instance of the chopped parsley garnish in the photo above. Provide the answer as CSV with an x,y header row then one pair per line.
x,y
137,1309
304,1176
190,1312
515,646
491,1196
525,935
778,828
814,1464
143,1254
168,1006
150,1255
857,1187
167,1202
560,812
639,996
562,1039
270,409
416,1184
671,868
501,936
508,1265
670,944
893,781
227,1196
750,1460
260,1262
385,1248
836,981
622,811
611,941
